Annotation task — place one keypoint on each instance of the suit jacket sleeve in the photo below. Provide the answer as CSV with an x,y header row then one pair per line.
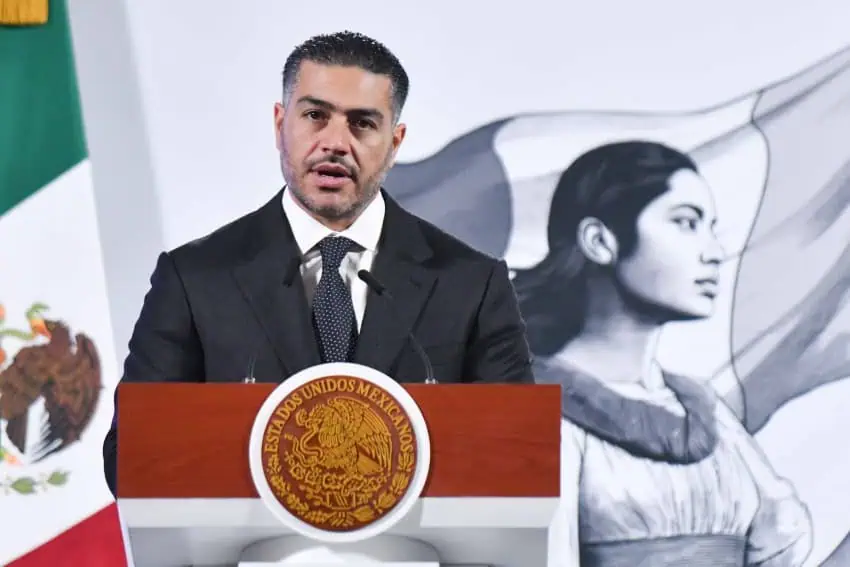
x,y
499,349
164,347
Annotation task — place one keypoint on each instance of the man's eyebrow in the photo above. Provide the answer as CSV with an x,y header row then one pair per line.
x,y
330,107
316,102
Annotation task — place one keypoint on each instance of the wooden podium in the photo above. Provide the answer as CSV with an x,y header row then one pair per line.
x,y
186,495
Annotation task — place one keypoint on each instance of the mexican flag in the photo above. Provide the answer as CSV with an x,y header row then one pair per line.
x,y
57,362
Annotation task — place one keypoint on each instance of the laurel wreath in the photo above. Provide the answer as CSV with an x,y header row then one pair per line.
x,y
340,518
30,485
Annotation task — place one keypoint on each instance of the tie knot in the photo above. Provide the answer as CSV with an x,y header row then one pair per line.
x,y
333,250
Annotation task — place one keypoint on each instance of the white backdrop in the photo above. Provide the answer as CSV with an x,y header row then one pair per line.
x,y
191,85
210,71
178,95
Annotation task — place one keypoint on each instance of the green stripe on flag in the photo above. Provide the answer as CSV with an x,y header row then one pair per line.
x,y
41,129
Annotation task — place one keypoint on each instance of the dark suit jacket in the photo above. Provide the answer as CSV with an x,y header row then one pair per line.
x,y
236,296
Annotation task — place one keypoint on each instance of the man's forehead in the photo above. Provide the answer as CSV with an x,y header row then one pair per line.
x,y
342,85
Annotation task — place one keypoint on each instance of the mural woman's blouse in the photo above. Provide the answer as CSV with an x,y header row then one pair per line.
x,y
619,509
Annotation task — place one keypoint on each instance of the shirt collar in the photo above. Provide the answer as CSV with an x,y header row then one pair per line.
x,y
308,232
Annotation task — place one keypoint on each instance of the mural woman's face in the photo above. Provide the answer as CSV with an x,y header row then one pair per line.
x,y
675,264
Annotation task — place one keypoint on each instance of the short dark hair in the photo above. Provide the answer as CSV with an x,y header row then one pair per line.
x,y
349,49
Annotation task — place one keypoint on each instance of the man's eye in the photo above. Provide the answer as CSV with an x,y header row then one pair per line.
x,y
363,124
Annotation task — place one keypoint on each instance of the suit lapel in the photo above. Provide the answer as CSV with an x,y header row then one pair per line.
x,y
272,286
400,267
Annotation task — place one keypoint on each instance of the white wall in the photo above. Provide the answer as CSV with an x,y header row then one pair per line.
x,y
116,130
209,72
178,95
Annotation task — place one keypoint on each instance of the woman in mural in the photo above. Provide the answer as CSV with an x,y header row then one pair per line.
x,y
656,470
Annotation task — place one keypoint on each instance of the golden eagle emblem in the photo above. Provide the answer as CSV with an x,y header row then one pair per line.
x,y
339,453
343,434
64,372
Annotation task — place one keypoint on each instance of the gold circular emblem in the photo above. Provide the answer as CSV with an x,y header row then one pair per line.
x,y
339,453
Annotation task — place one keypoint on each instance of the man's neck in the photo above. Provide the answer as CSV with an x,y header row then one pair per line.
x,y
365,228
335,224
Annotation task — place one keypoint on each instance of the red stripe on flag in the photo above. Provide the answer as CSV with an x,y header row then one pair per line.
x,y
97,541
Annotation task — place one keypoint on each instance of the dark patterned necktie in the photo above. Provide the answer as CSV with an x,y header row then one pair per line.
x,y
333,313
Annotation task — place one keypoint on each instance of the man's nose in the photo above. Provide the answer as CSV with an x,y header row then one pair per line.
x,y
336,137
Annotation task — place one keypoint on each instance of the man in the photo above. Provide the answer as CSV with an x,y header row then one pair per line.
x,y
277,290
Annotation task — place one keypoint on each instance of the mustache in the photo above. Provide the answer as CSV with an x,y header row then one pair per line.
x,y
335,160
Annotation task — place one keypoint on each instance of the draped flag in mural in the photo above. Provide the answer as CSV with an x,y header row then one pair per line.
x,y
778,163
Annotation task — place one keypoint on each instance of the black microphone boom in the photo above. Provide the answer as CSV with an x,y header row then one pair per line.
x,y
292,268
379,289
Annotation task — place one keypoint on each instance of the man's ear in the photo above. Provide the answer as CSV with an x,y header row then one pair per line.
x,y
279,112
399,131
597,242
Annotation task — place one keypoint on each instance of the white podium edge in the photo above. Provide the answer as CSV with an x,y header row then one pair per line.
x,y
429,512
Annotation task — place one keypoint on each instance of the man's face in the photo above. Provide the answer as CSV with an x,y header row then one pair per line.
x,y
336,140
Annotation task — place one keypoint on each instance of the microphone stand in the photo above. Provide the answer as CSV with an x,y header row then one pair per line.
x,y
379,289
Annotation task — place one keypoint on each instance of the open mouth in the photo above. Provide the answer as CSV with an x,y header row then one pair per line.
x,y
331,176
332,170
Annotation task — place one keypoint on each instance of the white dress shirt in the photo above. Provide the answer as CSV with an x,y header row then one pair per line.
x,y
365,231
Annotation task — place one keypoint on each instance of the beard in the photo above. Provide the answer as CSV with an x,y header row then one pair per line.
x,y
365,190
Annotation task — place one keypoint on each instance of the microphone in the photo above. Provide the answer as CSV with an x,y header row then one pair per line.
x,y
249,378
292,269
379,289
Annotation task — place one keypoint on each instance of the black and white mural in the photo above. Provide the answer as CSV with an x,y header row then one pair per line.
x,y
686,278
